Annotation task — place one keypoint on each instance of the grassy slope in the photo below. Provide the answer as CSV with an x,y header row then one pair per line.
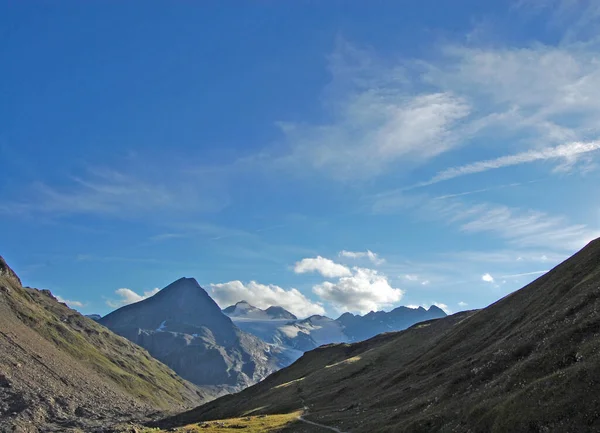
x,y
530,362
128,366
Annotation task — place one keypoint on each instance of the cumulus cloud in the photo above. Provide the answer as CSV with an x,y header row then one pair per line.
x,y
373,257
326,267
363,291
444,307
69,302
128,296
487,278
462,304
264,296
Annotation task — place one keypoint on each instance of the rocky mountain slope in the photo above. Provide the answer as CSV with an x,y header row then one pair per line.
x,y
61,371
184,328
527,363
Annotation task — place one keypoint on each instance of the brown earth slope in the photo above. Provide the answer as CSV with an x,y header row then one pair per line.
x,y
61,371
527,363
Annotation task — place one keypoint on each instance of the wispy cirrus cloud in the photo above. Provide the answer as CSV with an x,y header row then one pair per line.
x,y
524,274
522,228
529,103
121,193
568,152
373,257
378,119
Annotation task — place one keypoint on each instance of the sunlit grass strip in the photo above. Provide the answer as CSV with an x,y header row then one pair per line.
x,y
248,424
283,385
345,361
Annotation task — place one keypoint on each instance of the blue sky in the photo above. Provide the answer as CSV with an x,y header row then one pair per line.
x,y
326,156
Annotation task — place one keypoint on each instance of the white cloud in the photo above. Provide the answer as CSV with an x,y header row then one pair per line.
x,y
537,89
128,296
529,103
502,256
462,304
373,257
377,119
264,296
568,152
70,303
525,228
411,277
134,191
365,290
326,267
443,307
424,282
487,278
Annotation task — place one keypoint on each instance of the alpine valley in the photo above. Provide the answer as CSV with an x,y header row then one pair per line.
x,y
529,362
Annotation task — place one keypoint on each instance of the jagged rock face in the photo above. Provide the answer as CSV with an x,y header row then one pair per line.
x,y
184,328
7,272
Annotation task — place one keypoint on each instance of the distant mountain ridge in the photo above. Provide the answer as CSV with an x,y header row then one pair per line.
x,y
287,331
183,327
360,328
244,310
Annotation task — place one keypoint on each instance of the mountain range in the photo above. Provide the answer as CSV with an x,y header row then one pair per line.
x,y
528,363
278,326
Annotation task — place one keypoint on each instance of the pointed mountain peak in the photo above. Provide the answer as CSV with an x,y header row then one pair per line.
x,y
276,312
182,301
437,310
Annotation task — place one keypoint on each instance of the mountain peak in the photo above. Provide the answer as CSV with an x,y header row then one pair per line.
x,y
277,312
184,300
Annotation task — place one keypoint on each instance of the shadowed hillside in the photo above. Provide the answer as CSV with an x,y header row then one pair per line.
x,y
527,363
60,370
